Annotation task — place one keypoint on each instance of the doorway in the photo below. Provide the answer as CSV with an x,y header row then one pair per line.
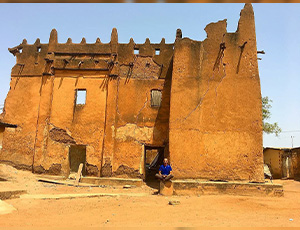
x,y
154,156
287,171
77,155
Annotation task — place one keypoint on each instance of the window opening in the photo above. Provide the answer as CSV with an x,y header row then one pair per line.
x,y
156,96
80,96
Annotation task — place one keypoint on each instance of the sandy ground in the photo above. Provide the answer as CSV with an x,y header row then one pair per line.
x,y
144,211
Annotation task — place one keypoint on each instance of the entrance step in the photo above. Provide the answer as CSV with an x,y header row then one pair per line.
x,y
195,187
6,194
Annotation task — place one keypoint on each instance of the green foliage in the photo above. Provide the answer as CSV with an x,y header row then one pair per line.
x,y
267,127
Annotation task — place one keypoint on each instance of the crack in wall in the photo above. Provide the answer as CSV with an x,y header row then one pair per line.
x,y
216,89
219,61
220,55
137,116
240,58
117,99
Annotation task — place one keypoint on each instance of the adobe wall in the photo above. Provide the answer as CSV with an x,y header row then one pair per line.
x,y
131,122
1,136
73,125
273,158
296,163
210,117
215,110
21,107
114,124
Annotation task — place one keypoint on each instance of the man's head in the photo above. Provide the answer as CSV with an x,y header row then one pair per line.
x,y
166,162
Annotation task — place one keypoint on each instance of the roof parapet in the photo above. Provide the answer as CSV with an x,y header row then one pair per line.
x,y
114,41
178,34
53,41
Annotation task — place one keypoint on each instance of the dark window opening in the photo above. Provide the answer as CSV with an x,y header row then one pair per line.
x,y
38,49
80,96
136,51
156,96
157,51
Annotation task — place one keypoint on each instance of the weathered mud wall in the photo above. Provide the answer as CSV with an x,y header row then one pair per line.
x,y
117,119
209,118
1,136
71,124
276,158
215,114
131,122
134,124
296,163
273,158
21,107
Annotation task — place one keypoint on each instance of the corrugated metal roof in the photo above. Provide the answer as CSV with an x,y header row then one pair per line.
x,y
279,148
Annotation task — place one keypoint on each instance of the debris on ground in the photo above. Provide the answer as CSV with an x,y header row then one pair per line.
x,y
6,208
174,202
129,186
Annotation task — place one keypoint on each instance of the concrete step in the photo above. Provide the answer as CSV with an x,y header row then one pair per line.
x,y
66,182
195,187
112,181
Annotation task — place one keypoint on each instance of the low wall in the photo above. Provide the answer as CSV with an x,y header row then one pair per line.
x,y
194,187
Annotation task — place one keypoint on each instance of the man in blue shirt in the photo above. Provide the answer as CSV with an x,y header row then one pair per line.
x,y
165,171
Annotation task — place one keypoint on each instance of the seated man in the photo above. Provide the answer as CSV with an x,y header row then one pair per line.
x,y
165,171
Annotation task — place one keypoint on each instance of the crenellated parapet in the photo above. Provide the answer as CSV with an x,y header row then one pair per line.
x,y
106,58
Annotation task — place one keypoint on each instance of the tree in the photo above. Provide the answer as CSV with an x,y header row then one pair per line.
x,y
267,127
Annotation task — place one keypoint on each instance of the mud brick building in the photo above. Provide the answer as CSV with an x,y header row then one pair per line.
x,y
283,162
114,106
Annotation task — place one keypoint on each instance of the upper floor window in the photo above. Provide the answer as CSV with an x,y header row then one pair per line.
x,y
80,96
156,96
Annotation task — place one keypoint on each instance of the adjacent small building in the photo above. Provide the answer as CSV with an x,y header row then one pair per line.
x,y
284,163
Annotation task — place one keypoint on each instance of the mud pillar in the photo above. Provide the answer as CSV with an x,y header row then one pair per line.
x,y
166,188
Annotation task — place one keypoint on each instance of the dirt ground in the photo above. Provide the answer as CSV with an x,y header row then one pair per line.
x,y
144,208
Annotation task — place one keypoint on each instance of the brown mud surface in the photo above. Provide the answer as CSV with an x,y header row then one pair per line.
x,y
143,211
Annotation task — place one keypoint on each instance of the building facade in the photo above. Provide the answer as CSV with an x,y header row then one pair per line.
x,y
110,106
284,163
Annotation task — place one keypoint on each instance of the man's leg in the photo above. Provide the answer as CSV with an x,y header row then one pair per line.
x,y
157,175
169,177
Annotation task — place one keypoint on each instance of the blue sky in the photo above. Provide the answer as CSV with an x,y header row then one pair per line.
x,y
277,30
